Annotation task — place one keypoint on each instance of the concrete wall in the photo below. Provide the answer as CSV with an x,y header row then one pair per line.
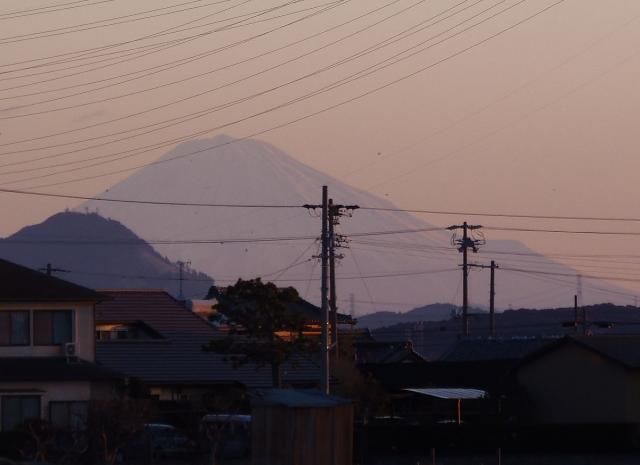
x,y
571,385
83,332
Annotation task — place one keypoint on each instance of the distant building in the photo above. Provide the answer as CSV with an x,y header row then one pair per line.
x,y
47,349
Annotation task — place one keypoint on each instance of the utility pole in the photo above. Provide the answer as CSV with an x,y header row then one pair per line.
x,y
324,334
332,278
352,305
579,289
181,266
463,244
335,241
49,270
575,312
492,300
328,296
492,293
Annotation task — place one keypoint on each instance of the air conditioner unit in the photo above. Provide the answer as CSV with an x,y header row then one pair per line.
x,y
69,349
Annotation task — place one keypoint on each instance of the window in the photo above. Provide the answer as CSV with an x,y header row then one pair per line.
x,y
14,328
69,415
18,409
52,327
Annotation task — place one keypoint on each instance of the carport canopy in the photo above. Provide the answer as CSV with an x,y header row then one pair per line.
x,y
457,394
450,393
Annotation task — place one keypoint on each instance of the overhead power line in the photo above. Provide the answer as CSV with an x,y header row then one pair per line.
x,y
505,215
290,122
148,202
565,231
86,53
138,76
51,9
101,23
573,275
69,131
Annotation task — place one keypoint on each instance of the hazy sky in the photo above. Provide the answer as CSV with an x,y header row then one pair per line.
x,y
506,106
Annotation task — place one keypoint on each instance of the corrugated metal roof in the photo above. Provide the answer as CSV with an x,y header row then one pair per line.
x,y
451,393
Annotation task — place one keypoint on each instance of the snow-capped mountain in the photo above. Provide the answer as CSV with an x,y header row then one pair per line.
x,y
392,271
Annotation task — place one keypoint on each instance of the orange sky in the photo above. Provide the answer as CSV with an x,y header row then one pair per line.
x,y
539,119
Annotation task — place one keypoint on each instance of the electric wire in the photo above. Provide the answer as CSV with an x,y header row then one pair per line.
x,y
323,110
86,53
163,106
282,105
161,47
99,23
58,7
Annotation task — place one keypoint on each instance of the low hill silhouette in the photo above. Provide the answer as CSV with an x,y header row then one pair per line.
x,y
98,253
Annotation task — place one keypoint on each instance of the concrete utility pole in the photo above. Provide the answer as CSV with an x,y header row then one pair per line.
x,y
181,266
332,278
324,320
328,296
463,244
492,294
492,300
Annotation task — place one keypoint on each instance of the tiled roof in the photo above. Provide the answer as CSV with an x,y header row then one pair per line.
x,y
52,369
178,358
623,349
495,349
386,352
22,284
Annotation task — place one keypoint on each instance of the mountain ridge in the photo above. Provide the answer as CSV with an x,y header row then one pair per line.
x,y
97,252
411,269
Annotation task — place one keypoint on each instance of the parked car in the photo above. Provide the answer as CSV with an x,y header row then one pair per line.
x,y
229,435
167,441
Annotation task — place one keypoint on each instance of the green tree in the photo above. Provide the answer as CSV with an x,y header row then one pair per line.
x,y
264,327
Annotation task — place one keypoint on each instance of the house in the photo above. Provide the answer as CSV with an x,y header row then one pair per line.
x,y
485,364
47,349
586,380
151,337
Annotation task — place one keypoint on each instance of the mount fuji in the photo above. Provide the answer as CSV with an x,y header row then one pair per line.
x,y
390,271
